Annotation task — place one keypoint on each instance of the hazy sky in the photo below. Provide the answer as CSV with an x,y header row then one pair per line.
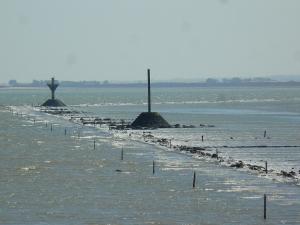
x,y
120,39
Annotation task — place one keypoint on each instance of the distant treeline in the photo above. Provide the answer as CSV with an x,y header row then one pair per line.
x,y
210,82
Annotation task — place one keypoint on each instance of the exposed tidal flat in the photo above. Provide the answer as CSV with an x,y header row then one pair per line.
x,y
52,178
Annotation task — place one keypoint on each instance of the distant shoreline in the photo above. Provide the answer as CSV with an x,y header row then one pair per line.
x,y
158,85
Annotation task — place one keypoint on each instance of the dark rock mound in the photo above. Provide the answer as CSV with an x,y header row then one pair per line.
x,y
53,103
238,164
215,156
288,174
150,120
255,167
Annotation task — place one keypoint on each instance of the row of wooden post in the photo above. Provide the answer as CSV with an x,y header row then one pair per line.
x,y
153,164
65,131
78,134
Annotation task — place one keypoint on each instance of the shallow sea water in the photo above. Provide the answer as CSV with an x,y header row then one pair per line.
x,y
49,178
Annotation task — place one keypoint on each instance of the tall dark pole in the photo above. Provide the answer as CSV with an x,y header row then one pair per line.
x,y
265,206
149,92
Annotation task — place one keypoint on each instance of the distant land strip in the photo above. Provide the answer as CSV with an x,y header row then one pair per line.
x,y
96,84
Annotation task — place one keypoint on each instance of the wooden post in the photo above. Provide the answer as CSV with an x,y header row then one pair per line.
x,y
265,206
194,180
94,144
51,128
65,131
266,166
122,154
149,91
265,133
153,167
46,124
